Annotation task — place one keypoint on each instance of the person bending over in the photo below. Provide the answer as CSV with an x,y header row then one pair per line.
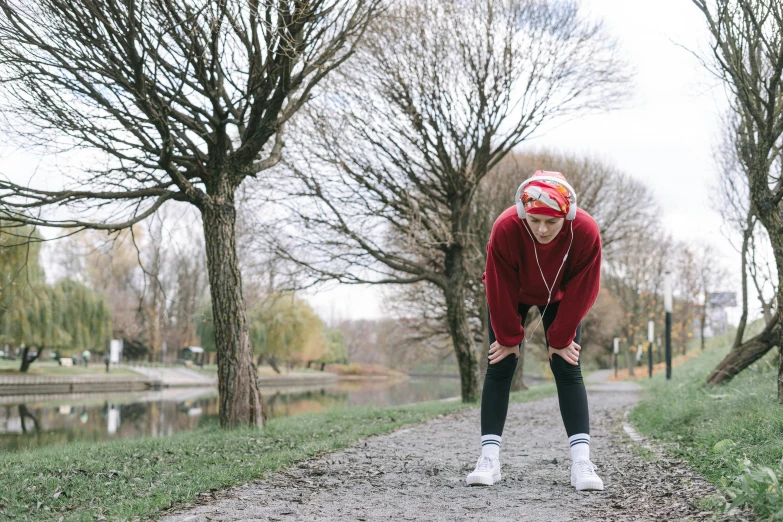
x,y
542,252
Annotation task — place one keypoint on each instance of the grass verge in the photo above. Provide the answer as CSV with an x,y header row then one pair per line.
x,y
137,479
731,434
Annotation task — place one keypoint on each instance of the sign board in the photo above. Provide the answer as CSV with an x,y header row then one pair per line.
x,y
115,351
722,299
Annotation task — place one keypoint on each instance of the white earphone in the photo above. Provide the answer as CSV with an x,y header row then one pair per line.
x,y
569,217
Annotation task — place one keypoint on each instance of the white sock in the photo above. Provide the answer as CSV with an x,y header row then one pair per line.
x,y
490,446
580,446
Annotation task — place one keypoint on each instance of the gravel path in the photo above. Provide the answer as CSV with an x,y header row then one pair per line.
x,y
418,473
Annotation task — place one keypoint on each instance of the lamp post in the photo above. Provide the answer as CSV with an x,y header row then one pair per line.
x,y
667,305
615,353
650,337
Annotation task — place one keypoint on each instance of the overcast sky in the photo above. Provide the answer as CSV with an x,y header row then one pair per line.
x,y
665,136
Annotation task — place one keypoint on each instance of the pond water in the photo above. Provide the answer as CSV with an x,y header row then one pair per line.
x,y
93,417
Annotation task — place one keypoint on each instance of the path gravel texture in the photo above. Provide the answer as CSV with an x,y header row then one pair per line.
x,y
418,473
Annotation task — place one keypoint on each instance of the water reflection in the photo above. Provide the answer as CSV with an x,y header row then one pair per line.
x,y
24,413
64,419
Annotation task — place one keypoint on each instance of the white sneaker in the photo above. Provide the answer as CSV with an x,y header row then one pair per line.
x,y
487,472
583,476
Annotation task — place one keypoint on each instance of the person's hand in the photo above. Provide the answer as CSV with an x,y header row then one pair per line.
x,y
498,352
570,353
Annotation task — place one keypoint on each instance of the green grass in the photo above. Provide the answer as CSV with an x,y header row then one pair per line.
x,y
137,479
725,432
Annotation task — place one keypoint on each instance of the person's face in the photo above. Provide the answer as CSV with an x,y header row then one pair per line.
x,y
544,228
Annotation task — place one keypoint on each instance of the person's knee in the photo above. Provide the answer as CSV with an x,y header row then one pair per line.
x,y
563,371
503,369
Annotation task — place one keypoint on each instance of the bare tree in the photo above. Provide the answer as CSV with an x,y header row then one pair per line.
x,y
711,274
152,304
732,200
154,278
399,146
762,273
184,100
688,289
747,54
635,280
110,266
190,275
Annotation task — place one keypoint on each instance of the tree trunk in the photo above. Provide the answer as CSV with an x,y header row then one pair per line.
x,y
703,320
744,317
780,374
240,399
462,340
768,212
483,348
518,381
746,354
26,363
273,363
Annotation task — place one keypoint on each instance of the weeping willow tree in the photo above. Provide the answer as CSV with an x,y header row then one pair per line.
x,y
22,288
335,350
83,314
36,316
292,330
67,316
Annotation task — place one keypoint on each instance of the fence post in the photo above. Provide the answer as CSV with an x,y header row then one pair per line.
x,y
667,305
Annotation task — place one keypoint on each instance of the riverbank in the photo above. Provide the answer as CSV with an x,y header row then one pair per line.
x,y
732,434
11,368
123,479
139,378
65,384
168,376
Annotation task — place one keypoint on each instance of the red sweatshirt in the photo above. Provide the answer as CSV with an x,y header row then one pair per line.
x,y
513,277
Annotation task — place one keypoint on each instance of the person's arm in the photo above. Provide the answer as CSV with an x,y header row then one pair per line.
x,y
502,285
581,291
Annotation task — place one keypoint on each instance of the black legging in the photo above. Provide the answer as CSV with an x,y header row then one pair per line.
x,y
571,391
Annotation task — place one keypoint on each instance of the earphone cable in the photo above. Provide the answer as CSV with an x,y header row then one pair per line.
x,y
549,296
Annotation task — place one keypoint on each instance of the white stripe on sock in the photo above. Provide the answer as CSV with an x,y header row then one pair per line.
x,y
580,446
490,445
